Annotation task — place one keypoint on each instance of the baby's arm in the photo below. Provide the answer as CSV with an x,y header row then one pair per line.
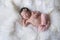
x,y
25,22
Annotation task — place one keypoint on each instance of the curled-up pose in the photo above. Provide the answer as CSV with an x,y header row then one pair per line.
x,y
45,22
35,18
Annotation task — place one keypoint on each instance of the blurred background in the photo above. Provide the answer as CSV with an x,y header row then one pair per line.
x,y
11,29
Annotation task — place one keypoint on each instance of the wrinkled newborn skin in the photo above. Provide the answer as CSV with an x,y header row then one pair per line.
x,y
45,22
41,21
35,19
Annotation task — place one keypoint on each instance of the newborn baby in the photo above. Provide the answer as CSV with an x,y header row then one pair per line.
x,y
35,18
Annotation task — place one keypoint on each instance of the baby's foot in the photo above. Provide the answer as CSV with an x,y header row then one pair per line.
x,y
43,27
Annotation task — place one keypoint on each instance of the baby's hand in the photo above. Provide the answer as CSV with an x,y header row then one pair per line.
x,y
23,22
26,23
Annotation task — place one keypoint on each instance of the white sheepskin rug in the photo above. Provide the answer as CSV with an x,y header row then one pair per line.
x,y
11,29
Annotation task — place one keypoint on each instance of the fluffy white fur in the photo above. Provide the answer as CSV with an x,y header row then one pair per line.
x,y
11,29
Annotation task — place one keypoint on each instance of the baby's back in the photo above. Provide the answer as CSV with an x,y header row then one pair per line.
x,y
35,18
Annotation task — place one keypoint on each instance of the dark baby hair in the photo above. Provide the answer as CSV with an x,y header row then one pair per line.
x,y
24,8
27,10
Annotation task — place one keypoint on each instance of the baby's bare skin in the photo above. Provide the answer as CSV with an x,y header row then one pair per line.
x,y
45,22
39,20
35,19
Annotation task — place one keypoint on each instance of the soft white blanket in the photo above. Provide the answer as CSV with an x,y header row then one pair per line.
x,y
10,28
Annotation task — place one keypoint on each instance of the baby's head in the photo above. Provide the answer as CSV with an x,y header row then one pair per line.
x,y
25,13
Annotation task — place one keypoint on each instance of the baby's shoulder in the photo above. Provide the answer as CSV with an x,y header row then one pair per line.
x,y
36,13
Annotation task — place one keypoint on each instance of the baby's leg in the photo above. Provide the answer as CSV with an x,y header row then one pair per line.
x,y
44,22
43,19
42,28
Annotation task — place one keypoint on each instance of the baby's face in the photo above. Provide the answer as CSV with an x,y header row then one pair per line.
x,y
25,14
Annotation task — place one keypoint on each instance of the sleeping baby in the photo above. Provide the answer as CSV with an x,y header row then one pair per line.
x,y
36,18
